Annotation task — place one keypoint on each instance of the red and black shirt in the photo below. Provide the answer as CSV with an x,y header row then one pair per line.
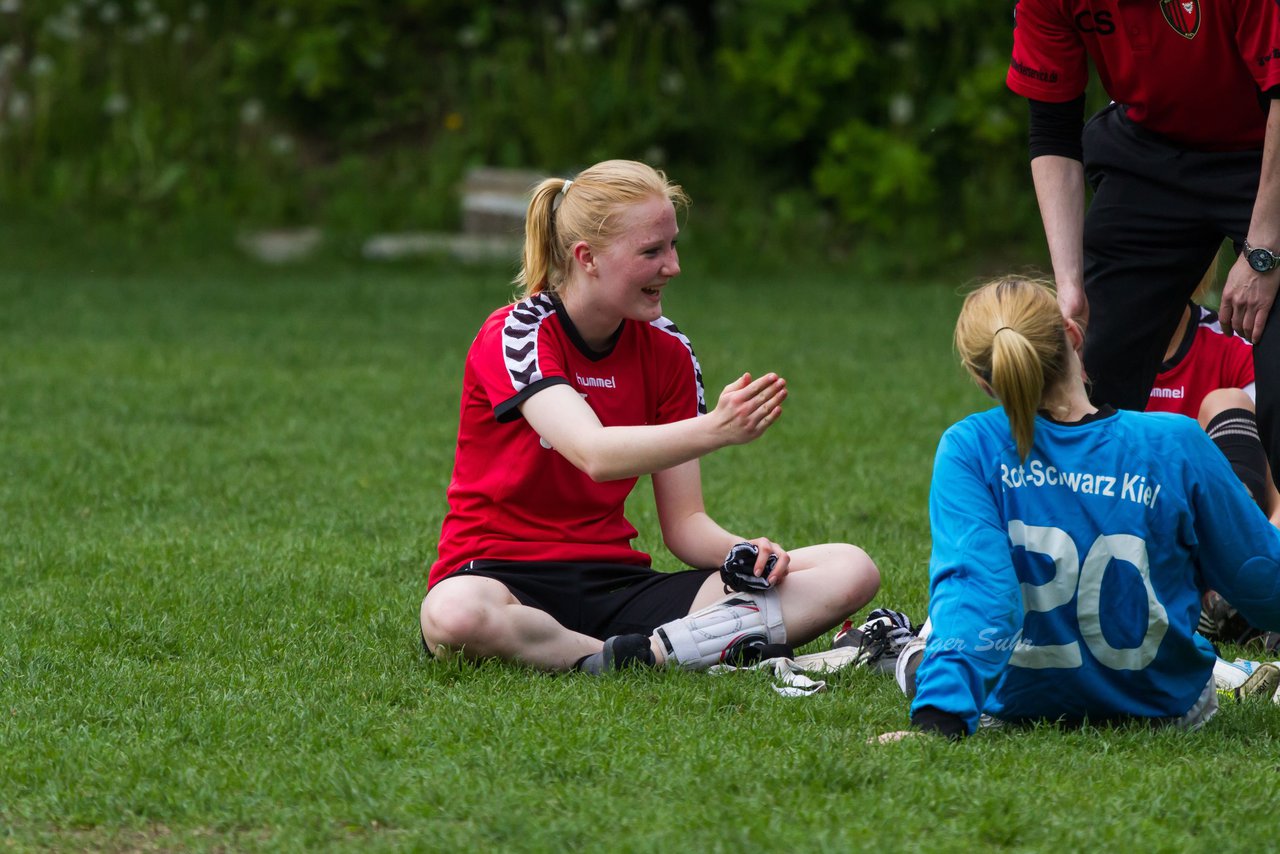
x,y
512,497
1206,360
1190,70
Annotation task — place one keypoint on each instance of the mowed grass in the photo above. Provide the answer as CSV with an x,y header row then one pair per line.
x,y
221,488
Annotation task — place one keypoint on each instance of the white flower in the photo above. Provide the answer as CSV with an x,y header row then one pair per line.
x,y
19,106
41,66
116,104
671,82
901,108
65,27
655,155
469,36
157,24
590,40
251,112
281,144
10,7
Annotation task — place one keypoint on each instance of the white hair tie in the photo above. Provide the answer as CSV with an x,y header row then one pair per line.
x,y
568,182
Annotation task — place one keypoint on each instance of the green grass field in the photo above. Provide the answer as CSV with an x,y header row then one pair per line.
x,y
221,487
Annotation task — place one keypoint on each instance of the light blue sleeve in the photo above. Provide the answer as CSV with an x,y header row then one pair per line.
x,y
975,604
1239,549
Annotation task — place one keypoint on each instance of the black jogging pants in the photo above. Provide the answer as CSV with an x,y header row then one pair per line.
x,y
1158,215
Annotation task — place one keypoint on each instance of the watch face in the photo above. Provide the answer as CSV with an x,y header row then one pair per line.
x,y
1262,260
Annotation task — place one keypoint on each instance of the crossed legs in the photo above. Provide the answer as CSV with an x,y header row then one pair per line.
x,y
480,618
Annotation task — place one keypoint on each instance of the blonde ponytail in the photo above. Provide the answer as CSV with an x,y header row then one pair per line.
x,y
1010,336
541,269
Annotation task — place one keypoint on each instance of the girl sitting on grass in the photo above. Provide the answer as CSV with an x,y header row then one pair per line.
x,y
1071,543
568,396
1209,376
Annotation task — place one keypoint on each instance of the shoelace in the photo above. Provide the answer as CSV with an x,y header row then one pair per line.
x,y
874,642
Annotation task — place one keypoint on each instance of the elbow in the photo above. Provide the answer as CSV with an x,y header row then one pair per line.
x,y
598,472
596,459
599,469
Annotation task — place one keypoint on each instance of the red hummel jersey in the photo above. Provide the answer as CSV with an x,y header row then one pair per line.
x,y
514,498
1206,361
1189,70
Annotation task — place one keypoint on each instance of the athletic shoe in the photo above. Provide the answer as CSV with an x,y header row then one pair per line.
x,y
1270,642
1264,683
619,652
1219,621
878,641
1236,680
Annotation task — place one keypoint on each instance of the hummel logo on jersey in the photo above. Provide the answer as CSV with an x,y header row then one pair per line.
x,y
595,382
1173,393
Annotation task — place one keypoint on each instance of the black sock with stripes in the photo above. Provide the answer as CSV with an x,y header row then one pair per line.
x,y
1235,432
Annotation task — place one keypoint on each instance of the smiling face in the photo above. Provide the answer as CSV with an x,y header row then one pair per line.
x,y
624,279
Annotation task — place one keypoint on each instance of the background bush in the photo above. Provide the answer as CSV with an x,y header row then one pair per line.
x,y
783,115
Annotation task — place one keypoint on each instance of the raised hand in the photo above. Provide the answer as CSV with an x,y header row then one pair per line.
x,y
748,407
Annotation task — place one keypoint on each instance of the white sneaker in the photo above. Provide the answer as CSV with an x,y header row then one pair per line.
x,y
1243,678
1264,682
878,641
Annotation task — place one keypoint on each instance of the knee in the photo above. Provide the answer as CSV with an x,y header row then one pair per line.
x,y
452,622
859,574
1220,400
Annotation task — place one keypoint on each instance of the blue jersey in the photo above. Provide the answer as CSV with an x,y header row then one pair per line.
x,y
1068,585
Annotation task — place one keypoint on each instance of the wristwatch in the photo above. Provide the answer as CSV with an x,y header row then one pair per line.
x,y
1262,260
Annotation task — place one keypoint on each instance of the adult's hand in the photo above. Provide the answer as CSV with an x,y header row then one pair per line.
x,y
1072,303
1247,298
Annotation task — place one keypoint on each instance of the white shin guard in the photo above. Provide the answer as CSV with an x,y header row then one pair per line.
x,y
716,633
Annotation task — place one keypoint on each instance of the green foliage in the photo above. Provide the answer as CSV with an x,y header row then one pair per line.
x,y
887,110
847,117
873,175
568,88
107,101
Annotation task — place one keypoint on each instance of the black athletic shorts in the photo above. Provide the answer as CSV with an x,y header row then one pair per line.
x,y
596,599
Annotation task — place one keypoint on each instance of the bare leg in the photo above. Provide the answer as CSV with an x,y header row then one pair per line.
x,y
825,584
479,618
